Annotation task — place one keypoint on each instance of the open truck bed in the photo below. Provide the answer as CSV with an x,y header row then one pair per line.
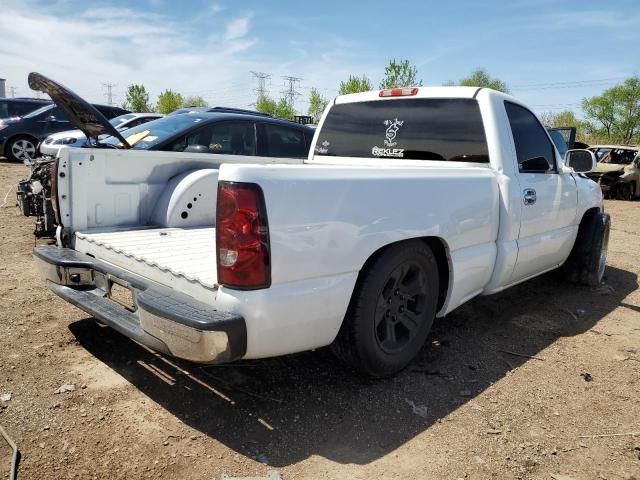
x,y
180,258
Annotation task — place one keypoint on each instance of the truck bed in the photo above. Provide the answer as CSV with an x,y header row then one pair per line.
x,y
182,258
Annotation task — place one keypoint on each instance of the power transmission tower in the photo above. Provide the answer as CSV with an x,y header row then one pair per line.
x,y
109,94
291,93
262,83
13,92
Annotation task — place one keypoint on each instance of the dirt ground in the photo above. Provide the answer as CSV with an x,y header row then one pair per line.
x,y
467,408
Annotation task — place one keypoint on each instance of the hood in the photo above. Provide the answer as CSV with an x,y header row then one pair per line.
x,y
81,114
609,167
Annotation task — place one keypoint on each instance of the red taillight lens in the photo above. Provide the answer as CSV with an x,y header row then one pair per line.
x,y
242,237
398,92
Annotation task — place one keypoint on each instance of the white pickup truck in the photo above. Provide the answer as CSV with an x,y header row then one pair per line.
x,y
412,201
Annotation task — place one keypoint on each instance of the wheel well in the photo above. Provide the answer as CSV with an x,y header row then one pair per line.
x,y
440,251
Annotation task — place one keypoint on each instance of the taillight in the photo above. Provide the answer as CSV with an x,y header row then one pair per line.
x,y
242,237
398,92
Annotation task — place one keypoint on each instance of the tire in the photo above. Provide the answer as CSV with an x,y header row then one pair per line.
x,y
587,262
391,311
626,191
21,148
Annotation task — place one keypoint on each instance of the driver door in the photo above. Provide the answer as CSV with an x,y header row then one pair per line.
x,y
549,195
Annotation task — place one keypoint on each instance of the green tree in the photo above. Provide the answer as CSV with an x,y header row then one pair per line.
x,y
196,101
616,113
355,84
137,99
566,118
400,74
481,78
168,101
284,110
317,104
266,105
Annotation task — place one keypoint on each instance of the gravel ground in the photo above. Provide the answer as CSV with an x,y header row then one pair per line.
x,y
516,385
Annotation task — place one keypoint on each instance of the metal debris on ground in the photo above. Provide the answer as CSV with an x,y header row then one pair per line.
x,y
13,473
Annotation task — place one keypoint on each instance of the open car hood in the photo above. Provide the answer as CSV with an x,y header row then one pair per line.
x,y
81,114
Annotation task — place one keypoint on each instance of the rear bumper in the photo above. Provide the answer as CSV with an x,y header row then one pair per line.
x,y
160,318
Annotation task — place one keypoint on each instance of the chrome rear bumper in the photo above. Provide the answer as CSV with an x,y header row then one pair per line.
x,y
160,318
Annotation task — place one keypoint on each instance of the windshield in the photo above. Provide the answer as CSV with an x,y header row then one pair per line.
x,y
39,111
117,121
149,134
559,141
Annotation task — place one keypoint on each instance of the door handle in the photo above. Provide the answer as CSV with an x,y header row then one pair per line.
x,y
529,196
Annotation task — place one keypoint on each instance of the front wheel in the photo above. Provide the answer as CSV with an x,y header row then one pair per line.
x,y
391,311
588,259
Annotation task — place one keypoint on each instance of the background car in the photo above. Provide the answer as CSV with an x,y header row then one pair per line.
x,y
76,138
17,107
221,132
617,171
19,137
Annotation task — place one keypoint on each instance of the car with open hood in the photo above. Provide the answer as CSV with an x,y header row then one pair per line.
x,y
218,131
617,171
76,138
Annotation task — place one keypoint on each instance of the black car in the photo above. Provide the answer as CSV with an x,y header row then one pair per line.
x,y
220,132
17,107
19,137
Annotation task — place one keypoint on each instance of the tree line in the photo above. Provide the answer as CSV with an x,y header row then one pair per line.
x,y
612,117
137,100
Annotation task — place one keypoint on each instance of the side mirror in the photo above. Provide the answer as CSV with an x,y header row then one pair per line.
x,y
197,149
535,165
581,161
51,118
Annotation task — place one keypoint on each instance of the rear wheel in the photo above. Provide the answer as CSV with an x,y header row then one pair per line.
x,y
391,311
21,148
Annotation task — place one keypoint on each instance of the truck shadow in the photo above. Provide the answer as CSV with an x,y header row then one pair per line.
x,y
280,411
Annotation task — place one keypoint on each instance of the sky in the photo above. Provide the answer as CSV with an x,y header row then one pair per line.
x,y
551,53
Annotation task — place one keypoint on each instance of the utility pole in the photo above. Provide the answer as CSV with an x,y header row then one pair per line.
x,y
13,92
291,93
262,83
109,94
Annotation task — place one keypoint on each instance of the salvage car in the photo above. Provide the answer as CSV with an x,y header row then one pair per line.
x,y
617,171
76,138
220,130
411,202
19,137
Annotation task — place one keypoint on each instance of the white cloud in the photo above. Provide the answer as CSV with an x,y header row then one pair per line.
x,y
132,45
237,28
216,8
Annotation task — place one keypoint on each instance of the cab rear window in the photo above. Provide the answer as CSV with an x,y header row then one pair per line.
x,y
411,129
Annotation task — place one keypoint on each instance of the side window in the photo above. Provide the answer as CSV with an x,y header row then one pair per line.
x,y
59,114
534,150
282,141
230,138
